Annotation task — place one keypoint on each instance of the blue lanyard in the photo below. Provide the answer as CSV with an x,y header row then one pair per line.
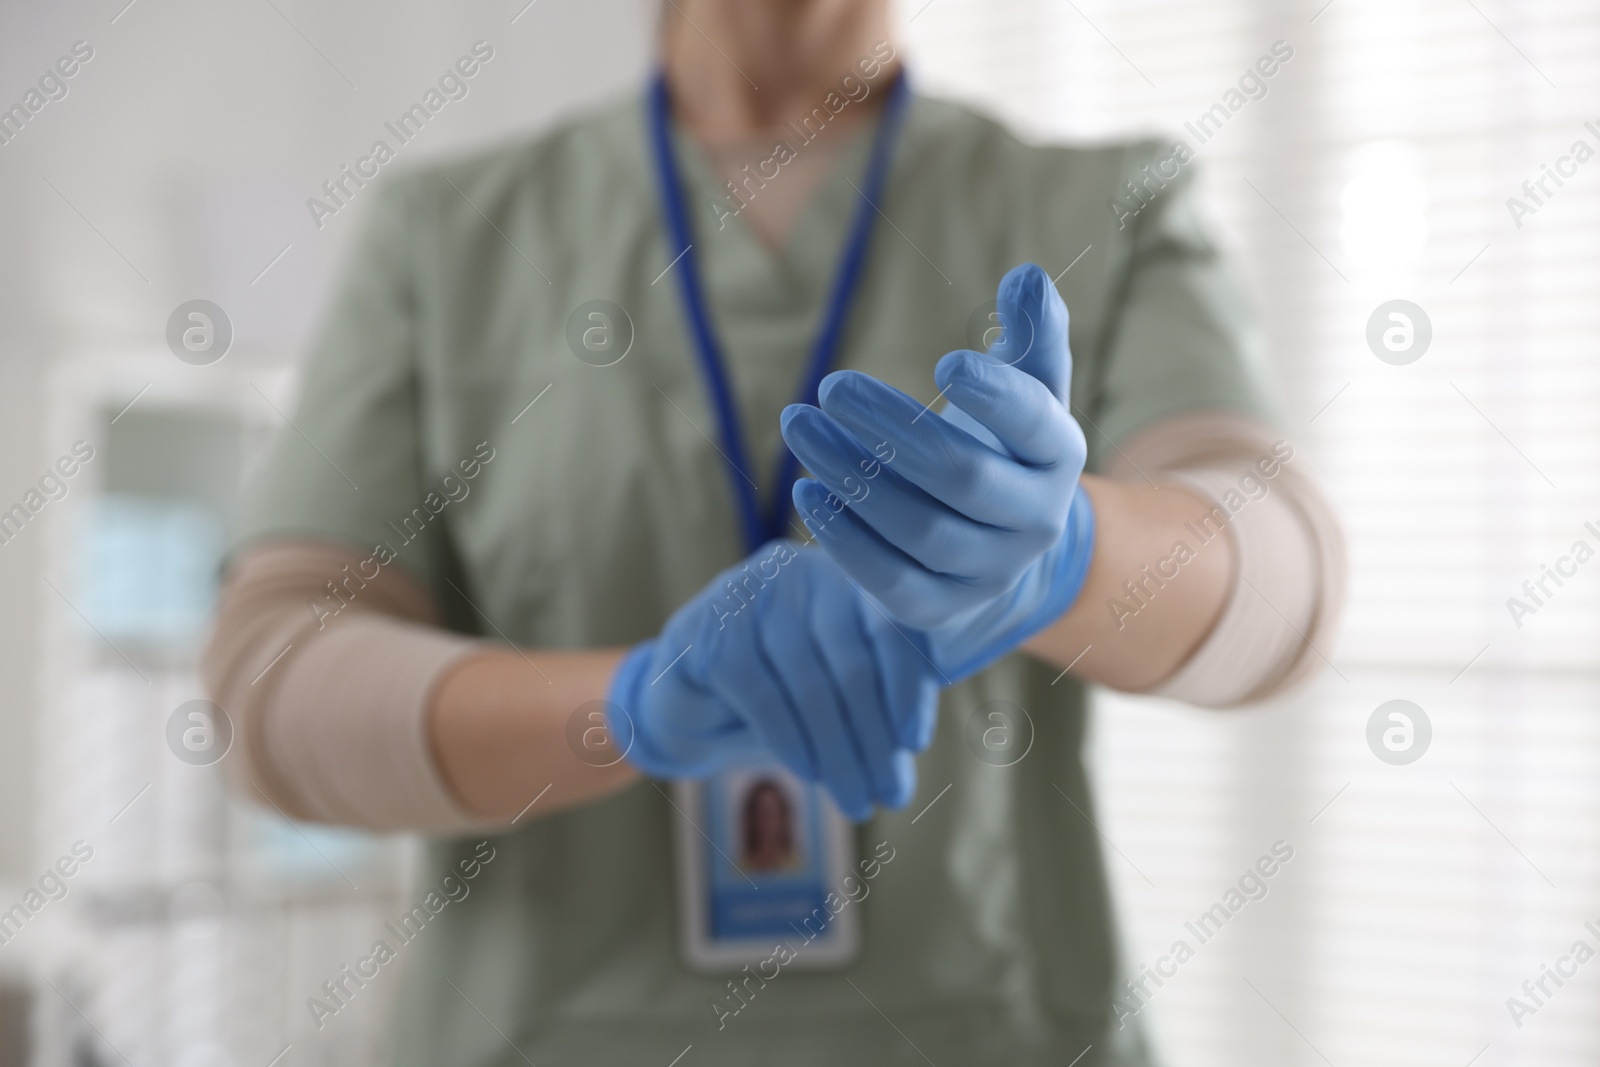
x,y
759,528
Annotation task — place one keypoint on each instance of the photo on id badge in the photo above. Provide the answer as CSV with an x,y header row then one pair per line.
x,y
755,867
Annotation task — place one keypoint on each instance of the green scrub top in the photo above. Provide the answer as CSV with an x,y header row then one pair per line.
x,y
988,938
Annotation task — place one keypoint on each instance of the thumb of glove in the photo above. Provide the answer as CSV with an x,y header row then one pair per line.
x,y
1033,320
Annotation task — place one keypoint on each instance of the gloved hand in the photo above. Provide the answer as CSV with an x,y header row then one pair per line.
x,y
780,657
977,531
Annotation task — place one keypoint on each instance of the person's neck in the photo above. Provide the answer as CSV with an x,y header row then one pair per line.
x,y
738,69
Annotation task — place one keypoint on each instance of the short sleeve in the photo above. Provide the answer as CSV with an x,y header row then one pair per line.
x,y
347,465
1181,334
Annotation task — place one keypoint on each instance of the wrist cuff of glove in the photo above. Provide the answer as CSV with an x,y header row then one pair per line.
x,y
624,706
1075,554
1068,562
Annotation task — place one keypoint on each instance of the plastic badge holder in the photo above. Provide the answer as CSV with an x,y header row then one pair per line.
x,y
758,852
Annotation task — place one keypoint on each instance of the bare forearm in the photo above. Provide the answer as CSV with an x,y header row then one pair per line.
x,y
499,725
1172,605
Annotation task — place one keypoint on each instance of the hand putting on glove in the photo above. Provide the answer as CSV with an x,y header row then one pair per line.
x,y
977,533
780,657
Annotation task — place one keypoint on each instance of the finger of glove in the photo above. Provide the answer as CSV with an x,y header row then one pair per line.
x,y
838,631
788,643
677,713
670,725
905,774
931,532
811,693
912,594
938,457
1026,418
697,648
1034,336
953,414
698,734
744,678
685,715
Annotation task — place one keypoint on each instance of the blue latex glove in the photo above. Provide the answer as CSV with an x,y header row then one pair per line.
x,y
974,529
780,657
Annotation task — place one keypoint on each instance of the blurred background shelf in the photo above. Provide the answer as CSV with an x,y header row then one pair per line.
x,y
202,923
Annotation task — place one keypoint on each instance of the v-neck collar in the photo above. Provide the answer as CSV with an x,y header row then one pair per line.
x,y
808,253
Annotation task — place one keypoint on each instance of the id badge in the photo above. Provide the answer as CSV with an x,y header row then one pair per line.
x,y
758,851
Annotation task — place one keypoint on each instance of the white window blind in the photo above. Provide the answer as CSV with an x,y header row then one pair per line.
x,y
1376,167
